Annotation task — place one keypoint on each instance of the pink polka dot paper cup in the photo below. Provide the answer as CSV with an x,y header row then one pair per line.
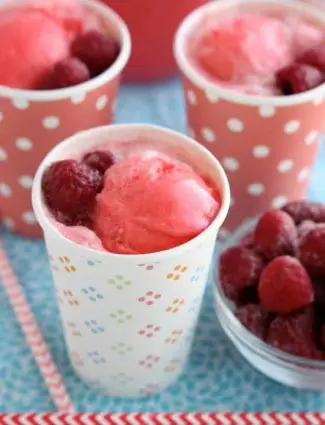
x,y
267,145
32,122
129,320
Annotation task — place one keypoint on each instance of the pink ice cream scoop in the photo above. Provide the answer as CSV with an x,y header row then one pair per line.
x,y
151,202
246,51
30,44
36,36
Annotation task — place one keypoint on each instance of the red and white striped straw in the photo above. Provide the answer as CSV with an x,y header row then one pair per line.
x,y
34,336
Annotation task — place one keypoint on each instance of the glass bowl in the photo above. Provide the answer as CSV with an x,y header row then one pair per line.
x,y
287,369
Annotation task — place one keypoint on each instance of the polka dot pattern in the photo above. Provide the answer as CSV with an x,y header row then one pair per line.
x,y
26,182
261,151
3,155
101,102
256,189
311,137
279,201
28,130
235,125
230,164
303,174
208,135
191,96
291,127
20,103
266,149
29,217
285,166
78,98
5,190
51,122
24,144
267,111
211,95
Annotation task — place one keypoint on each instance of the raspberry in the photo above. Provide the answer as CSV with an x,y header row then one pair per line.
x,y
99,160
248,295
233,293
314,58
97,50
70,189
275,234
304,228
254,318
298,78
295,334
240,267
285,286
241,296
69,72
319,290
312,251
304,210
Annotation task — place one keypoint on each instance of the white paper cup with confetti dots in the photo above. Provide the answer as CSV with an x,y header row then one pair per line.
x,y
129,320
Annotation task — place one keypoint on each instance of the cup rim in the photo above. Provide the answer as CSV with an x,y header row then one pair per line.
x,y
216,223
108,75
252,341
184,64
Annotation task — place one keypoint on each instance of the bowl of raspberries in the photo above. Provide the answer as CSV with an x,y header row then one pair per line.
x,y
270,293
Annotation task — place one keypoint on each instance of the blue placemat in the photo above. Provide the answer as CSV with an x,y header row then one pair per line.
x,y
217,379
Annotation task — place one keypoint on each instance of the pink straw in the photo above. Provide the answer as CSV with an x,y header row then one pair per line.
x,y
33,336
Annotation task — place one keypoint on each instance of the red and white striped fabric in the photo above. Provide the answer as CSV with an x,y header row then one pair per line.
x,y
166,419
33,336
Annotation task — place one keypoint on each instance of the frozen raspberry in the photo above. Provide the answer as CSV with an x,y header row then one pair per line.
x,y
99,160
67,73
295,334
319,290
314,58
254,318
275,234
248,295
304,228
69,189
298,78
305,210
241,296
285,286
312,251
240,267
232,293
97,50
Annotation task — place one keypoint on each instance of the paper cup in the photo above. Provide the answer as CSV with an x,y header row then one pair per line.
x,y
129,320
267,145
32,122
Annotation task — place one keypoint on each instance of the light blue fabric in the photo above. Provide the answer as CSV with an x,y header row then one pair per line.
x,y
218,377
